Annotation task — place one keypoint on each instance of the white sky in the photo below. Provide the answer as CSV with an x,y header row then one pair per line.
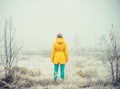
x,y
38,21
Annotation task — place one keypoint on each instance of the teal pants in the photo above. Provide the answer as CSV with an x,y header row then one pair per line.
x,y
56,67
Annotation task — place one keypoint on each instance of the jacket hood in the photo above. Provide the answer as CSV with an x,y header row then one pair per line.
x,y
59,40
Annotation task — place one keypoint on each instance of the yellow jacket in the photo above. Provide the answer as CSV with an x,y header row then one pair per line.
x,y
59,52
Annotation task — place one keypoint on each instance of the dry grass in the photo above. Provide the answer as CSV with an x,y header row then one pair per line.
x,y
87,74
26,79
91,78
22,70
92,81
26,82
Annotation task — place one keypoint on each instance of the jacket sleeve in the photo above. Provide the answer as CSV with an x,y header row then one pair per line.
x,y
53,53
66,53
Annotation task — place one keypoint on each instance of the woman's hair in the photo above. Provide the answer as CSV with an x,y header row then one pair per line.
x,y
59,35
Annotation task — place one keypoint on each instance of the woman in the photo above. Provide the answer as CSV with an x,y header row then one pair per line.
x,y
59,56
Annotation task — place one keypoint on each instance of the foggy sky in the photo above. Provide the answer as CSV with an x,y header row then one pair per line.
x,y
38,21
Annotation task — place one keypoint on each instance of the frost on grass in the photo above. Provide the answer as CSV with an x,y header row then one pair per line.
x,y
81,72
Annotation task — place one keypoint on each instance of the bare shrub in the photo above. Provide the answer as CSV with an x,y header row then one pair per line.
x,y
10,50
113,56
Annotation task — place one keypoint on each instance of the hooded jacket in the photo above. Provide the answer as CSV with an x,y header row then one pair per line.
x,y
59,52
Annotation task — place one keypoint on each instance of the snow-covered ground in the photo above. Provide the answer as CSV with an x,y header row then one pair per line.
x,y
80,72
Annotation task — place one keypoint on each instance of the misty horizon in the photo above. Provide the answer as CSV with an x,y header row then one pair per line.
x,y
38,22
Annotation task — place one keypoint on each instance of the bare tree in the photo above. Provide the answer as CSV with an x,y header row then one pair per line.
x,y
10,50
113,55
